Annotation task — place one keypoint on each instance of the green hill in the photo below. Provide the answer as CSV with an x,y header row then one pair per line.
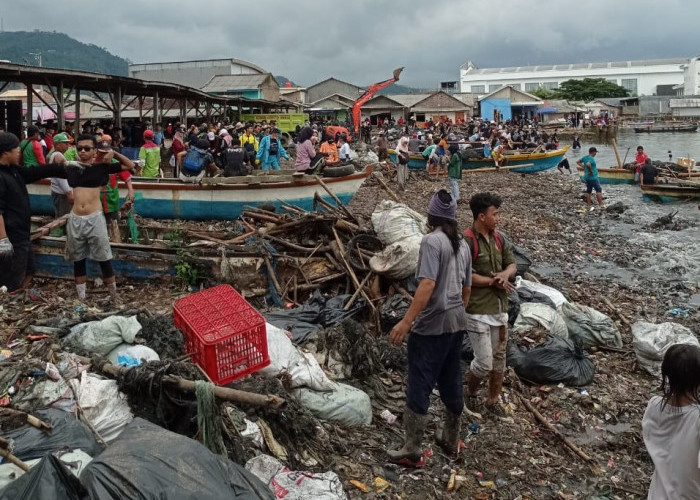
x,y
58,50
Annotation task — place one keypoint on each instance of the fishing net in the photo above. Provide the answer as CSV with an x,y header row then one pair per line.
x,y
207,417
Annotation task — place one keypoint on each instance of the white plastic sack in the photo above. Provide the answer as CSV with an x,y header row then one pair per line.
x,y
103,404
101,337
140,352
75,461
590,328
554,294
394,221
346,404
286,359
650,342
534,314
398,260
295,485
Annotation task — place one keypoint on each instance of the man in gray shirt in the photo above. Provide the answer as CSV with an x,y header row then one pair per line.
x,y
436,320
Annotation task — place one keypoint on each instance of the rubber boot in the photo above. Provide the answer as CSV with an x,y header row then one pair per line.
x,y
411,454
448,436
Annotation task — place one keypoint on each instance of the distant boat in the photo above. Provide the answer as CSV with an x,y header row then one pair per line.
x,y
625,175
667,193
537,162
220,198
667,127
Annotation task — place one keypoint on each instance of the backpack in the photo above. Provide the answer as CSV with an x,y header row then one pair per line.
x,y
469,233
193,161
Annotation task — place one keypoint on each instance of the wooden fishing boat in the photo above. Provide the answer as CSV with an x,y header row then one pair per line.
x,y
667,193
532,162
221,198
667,127
612,175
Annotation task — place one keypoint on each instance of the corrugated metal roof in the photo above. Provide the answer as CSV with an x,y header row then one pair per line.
x,y
409,100
225,83
565,67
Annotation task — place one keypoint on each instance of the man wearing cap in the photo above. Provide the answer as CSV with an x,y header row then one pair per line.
x,y
590,176
270,151
61,192
32,152
110,191
16,257
150,154
436,321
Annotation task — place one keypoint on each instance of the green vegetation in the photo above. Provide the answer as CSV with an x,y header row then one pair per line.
x,y
544,93
58,50
583,90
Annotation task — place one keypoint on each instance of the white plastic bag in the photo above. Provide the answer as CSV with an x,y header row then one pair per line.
x,y
286,359
650,342
103,404
346,404
139,352
295,485
554,294
394,221
534,314
100,337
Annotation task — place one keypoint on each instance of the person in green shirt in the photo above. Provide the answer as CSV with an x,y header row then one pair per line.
x,y
454,171
150,153
590,175
493,266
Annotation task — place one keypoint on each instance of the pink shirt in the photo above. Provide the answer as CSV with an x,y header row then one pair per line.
x,y
305,151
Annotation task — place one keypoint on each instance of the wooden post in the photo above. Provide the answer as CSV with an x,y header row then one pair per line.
x,y
30,105
617,153
76,122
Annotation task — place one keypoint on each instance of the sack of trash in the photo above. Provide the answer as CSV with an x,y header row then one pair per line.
x,y
555,361
590,328
346,404
49,479
147,461
533,314
301,369
394,222
555,295
73,460
101,337
522,258
398,260
650,342
295,485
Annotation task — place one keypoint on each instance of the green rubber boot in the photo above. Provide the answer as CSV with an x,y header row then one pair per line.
x,y
448,436
411,454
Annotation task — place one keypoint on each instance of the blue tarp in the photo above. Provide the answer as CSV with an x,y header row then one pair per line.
x,y
546,111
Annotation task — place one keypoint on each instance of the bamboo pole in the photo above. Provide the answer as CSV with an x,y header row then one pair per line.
x,y
617,153
335,198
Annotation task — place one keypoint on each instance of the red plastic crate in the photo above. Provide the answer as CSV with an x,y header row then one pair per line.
x,y
224,334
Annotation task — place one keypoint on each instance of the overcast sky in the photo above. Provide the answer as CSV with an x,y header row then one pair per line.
x,y
362,41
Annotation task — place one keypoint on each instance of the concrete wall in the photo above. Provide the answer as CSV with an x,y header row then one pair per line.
x,y
489,105
330,87
691,77
191,73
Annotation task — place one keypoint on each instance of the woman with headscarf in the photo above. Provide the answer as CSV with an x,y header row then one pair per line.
x,y
402,156
435,324
306,153
177,147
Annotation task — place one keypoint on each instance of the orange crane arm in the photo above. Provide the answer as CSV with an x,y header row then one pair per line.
x,y
369,93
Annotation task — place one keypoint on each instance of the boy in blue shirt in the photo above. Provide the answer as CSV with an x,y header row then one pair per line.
x,y
590,175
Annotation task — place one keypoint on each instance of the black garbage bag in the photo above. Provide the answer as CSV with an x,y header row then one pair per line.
x,y
393,311
522,258
525,295
556,361
318,312
68,432
467,349
47,480
147,461
513,307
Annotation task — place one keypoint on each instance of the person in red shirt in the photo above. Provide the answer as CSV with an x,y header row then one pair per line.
x,y
48,136
31,151
639,159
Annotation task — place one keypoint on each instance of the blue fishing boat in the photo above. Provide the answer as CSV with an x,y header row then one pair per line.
x,y
221,198
534,162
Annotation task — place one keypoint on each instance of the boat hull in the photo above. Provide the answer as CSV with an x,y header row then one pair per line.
x,y
666,128
612,175
668,193
171,199
539,161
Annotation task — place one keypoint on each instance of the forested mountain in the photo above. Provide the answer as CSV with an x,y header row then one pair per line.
x,y
58,50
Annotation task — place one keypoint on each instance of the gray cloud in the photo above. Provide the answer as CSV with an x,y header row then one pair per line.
x,y
362,41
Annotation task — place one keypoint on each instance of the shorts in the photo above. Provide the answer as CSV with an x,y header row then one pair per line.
x,y
592,184
87,237
489,349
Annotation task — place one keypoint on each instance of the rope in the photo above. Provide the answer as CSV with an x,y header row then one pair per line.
x,y
209,425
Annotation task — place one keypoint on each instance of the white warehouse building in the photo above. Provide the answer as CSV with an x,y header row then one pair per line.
x,y
652,77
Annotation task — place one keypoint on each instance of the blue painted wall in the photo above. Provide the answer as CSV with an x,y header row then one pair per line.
x,y
502,105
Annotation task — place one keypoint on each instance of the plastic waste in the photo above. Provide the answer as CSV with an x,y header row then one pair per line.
x,y
147,461
590,328
75,461
651,341
393,311
555,295
345,404
101,337
557,360
295,485
534,314
49,479
132,355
